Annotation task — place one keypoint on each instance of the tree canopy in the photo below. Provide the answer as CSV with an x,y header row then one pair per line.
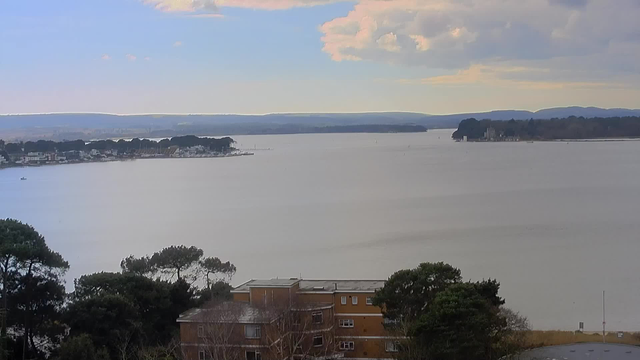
x,y
440,317
408,293
213,144
127,315
32,288
566,128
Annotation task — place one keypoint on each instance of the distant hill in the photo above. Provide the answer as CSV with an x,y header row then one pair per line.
x,y
94,126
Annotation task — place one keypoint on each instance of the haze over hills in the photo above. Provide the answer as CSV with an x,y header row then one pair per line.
x,y
91,126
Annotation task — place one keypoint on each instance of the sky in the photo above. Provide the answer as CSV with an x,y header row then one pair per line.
x,y
265,56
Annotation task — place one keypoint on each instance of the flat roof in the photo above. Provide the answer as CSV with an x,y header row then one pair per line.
x,y
586,351
315,285
228,312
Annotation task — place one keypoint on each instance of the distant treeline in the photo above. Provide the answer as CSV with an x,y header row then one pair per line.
x,y
219,145
372,128
566,128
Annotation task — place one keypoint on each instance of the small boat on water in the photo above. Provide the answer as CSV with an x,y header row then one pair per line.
x,y
23,178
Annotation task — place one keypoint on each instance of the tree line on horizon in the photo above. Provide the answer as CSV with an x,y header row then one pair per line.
x,y
131,314
552,129
219,145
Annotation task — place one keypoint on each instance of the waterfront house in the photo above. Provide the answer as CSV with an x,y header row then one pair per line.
x,y
290,318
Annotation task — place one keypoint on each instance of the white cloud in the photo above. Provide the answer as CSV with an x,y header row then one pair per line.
x,y
389,42
177,44
131,57
147,58
207,15
105,57
422,43
557,35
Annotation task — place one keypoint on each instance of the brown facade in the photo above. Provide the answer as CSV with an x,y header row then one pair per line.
x,y
302,322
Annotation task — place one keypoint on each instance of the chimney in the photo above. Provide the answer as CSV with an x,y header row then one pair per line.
x,y
335,286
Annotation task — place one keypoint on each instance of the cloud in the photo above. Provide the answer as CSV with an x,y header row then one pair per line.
x,y
422,43
511,77
569,38
214,5
389,42
105,57
183,5
455,35
131,57
147,58
177,44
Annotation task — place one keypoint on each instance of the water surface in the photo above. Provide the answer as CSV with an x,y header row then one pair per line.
x,y
555,223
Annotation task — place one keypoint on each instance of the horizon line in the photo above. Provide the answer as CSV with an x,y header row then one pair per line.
x,y
306,113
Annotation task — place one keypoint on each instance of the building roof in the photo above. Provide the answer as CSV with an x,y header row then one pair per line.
x,y
228,312
584,351
315,285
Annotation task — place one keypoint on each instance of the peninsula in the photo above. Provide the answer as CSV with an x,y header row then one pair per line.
x,y
45,152
570,128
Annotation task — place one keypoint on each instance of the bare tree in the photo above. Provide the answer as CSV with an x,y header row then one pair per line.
x,y
222,331
168,351
296,330
512,336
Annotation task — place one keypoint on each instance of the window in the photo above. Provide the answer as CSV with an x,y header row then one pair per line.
x,y
253,355
252,331
201,355
343,300
354,300
390,321
200,330
369,300
347,345
296,319
316,317
318,341
345,323
392,346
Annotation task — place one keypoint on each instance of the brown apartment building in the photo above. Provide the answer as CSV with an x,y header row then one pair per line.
x,y
290,318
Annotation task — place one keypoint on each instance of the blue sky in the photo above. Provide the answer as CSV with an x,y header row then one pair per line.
x,y
262,56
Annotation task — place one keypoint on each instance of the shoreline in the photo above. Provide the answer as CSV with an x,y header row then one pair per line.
x,y
237,154
555,140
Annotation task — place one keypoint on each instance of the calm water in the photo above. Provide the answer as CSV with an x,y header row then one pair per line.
x,y
556,223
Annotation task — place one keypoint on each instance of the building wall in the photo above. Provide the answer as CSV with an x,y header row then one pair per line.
x,y
192,343
368,333
271,296
244,297
361,307
363,325
367,348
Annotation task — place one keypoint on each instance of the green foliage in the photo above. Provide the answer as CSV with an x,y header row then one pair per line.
x,y
219,291
156,303
443,318
213,266
139,266
458,325
175,260
220,145
408,293
103,318
81,348
32,287
567,128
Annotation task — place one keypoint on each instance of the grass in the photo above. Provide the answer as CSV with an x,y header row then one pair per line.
x,y
550,338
